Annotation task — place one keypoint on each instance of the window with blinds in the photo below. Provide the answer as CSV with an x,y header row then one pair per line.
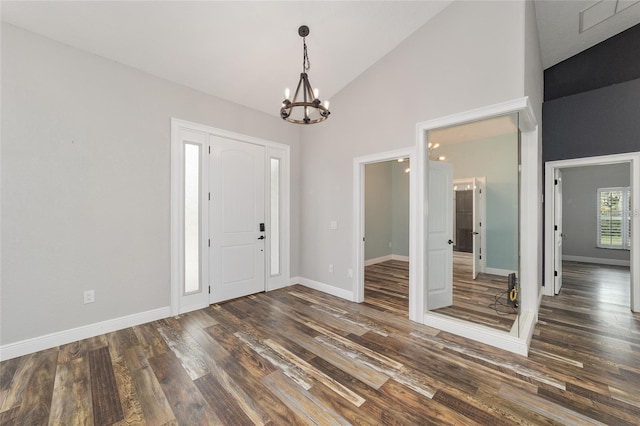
x,y
614,219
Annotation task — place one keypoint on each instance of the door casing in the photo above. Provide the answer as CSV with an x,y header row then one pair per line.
x,y
633,158
272,150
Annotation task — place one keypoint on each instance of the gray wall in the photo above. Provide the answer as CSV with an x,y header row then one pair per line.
x,y
600,122
496,159
86,183
469,56
580,205
386,209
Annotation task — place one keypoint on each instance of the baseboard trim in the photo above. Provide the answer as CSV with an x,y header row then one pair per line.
x,y
27,346
380,259
325,288
497,271
597,260
386,258
479,333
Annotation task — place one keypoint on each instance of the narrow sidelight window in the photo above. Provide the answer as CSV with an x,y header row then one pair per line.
x,y
191,218
275,217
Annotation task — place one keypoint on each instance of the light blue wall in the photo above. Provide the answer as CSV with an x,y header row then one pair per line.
x,y
386,209
399,209
377,217
496,159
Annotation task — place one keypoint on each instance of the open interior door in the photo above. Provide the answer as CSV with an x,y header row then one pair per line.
x,y
477,224
440,235
557,232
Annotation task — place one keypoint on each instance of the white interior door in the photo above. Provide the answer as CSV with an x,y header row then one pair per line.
x,y
557,232
477,224
237,208
440,235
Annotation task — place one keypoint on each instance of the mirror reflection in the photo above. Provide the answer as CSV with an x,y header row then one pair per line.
x,y
473,224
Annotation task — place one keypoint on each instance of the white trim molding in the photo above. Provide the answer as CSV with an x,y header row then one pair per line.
x,y
324,288
27,346
202,134
359,164
596,260
633,158
530,201
500,272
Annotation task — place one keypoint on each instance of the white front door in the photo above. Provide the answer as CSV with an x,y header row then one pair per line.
x,y
440,235
557,232
477,227
237,210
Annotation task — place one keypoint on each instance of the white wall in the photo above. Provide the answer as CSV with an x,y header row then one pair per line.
x,y
470,55
534,89
85,183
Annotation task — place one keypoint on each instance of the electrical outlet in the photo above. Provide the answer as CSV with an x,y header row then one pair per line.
x,y
89,296
331,268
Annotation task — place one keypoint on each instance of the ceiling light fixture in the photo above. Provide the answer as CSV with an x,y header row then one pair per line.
x,y
432,156
309,109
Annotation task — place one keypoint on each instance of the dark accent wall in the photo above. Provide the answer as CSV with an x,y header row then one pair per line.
x,y
615,60
598,122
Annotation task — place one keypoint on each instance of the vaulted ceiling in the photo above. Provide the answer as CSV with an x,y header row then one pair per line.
x,y
248,52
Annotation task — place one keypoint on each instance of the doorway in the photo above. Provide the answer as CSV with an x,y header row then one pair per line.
x,y
360,232
386,215
559,240
229,216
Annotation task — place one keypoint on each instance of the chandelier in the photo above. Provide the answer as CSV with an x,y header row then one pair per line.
x,y
305,107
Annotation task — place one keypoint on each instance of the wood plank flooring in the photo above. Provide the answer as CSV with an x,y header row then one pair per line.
x,y
482,301
298,356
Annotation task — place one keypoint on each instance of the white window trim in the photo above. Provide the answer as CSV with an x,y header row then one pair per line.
x,y
626,243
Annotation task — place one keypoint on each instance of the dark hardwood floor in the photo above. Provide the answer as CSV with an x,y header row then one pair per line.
x,y
297,356
482,300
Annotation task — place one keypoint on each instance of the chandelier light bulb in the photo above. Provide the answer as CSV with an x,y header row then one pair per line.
x,y
287,93
326,104
316,93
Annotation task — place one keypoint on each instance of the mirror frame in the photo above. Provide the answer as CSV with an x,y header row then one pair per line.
x,y
530,237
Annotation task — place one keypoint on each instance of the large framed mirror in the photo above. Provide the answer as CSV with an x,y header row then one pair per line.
x,y
479,254
473,226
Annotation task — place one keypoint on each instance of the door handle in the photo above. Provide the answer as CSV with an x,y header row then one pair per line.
x,y
261,237
475,233
450,242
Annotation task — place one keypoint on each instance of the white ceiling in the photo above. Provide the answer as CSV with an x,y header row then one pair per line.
x,y
248,52
559,26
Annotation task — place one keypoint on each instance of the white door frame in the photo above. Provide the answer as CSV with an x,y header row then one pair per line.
x,y
633,159
359,164
530,235
272,150
483,214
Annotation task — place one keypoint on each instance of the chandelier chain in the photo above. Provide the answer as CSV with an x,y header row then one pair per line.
x,y
306,64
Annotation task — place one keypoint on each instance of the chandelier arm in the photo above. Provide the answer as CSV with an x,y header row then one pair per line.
x,y
309,99
295,95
